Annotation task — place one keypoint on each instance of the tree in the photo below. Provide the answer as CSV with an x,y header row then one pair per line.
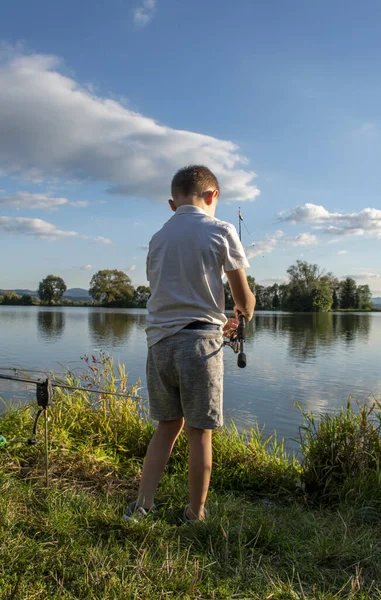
x,y
304,275
10,298
259,296
335,300
141,295
321,297
110,285
307,283
267,298
276,298
251,282
51,289
363,297
348,293
284,295
26,300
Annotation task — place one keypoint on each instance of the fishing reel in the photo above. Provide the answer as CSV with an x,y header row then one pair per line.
x,y
236,341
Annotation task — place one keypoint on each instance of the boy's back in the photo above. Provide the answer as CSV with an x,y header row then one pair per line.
x,y
185,264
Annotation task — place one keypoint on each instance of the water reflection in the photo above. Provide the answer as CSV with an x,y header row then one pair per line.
x,y
353,327
307,334
264,322
141,320
51,324
110,328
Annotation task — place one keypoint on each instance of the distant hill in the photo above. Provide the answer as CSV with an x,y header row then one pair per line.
x,y
77,294
376,302
20,292
71,294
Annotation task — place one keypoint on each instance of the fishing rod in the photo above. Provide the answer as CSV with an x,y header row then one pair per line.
x,y
236,341
237,337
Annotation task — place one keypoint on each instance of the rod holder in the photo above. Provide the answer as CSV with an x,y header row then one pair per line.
x,y
44,393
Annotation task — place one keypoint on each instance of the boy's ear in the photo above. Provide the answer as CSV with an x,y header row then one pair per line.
x,y
172,205
211,197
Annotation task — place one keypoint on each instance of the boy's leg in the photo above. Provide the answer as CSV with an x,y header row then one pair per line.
x,y
200,469
158,453
200,364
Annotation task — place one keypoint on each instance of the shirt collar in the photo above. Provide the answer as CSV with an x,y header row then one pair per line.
x,y
190,209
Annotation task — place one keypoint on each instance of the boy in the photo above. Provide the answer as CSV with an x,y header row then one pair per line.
x,y
185,322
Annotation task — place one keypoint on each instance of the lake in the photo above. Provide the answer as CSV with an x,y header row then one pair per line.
x,y
316,360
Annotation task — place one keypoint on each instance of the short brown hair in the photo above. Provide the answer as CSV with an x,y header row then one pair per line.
x,y
194,180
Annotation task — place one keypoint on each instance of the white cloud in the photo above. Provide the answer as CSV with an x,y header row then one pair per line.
x,y
102,240
365,222
144,13
143,247
63,131
264,246
342,252
366,275
41,229
308,213
302,239
272,241
29,200
333,230
87,268
131,268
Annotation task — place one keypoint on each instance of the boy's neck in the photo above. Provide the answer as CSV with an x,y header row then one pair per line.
x,y
209,208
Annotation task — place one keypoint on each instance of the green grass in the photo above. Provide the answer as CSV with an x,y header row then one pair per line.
x,y
279,529
342,456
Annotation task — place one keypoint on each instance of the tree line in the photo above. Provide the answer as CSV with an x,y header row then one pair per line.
x,y
108,287
309,289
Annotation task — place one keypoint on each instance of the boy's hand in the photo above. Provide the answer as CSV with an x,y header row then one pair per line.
x,y
230,327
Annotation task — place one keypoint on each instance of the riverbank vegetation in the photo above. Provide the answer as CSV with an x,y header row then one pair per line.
x,y
309,289
108,288
280,527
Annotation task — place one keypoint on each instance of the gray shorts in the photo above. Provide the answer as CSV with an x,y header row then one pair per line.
x,y
185,378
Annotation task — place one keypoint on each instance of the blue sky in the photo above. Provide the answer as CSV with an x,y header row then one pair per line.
x,y
100,102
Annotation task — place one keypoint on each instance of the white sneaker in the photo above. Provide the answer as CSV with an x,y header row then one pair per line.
x,y
186,519
135,512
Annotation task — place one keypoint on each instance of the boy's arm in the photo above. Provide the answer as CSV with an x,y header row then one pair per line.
x,y
242,295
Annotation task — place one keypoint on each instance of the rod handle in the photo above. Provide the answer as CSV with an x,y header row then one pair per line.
x,y
241,360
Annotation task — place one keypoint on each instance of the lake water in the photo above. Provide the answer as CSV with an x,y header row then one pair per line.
x,y
315,360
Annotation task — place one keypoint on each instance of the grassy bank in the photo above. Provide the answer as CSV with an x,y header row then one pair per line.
x,y
278,528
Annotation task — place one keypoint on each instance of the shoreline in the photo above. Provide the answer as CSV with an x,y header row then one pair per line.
x,y
228,310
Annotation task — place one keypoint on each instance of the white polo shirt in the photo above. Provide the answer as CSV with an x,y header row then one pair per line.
x,y
185,264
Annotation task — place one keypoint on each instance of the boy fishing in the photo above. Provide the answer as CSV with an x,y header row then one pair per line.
x,y
185,327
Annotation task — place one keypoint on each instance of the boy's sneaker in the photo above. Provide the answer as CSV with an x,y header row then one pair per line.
x,y
186,519
135,512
